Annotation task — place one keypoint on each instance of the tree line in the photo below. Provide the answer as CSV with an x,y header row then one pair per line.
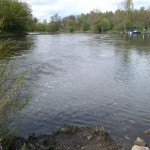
x,y
121,20
16,17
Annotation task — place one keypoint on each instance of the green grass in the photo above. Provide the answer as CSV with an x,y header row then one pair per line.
x,y
11,102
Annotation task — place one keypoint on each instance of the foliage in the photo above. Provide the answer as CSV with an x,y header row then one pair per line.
x,y
7,43
15,16
121,20
40,27
105,24
54,25
71,25
85,26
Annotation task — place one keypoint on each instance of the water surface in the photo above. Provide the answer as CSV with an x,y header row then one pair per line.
x,y
86,79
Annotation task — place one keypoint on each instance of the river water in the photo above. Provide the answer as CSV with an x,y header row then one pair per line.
x,y
86,79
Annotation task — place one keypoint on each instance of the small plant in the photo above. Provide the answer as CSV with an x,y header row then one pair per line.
x,y
8,43
24,147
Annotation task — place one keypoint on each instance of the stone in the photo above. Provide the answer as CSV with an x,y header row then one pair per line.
x,y
147,132
140,142
89,137
1,147
63,130
136,147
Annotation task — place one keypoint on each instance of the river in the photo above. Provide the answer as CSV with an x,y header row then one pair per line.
x,y
86,79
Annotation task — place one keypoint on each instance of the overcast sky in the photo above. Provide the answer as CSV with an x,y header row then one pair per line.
x,y
43,9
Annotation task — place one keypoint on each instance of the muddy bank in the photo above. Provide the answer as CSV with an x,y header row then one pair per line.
x,y
69,138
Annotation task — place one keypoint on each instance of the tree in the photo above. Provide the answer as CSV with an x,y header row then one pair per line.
x,y
55,18
128,7
4,7
94,20
55,23
105,24
71,25
118,19
82,22
15,16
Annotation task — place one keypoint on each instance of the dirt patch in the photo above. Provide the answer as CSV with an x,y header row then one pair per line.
x,y
69,138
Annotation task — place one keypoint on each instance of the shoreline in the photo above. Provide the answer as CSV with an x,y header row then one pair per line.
x,y
8,35
68,137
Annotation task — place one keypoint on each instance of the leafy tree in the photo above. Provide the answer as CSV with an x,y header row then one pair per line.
x,y
53,27
71,25
105,24
55,23
128,7
85,26
15,16
82,22
94,20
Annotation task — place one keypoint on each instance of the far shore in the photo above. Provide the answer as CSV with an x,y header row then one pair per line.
x,y
7,34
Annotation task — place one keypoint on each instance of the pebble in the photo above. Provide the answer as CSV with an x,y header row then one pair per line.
x,y
136,147
1,147
140,142
147,132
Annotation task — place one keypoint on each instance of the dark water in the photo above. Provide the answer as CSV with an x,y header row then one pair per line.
x,y
86,79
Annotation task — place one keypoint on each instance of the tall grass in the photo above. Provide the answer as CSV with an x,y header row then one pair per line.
x,y
11,101
8,43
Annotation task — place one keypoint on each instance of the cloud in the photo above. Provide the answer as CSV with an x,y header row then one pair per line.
x,y
43,9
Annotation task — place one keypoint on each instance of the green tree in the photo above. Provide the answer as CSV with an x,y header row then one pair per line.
x,y
94,20
128,7
40,26
15,16
82,22
71,25
55,23
105,24
118,19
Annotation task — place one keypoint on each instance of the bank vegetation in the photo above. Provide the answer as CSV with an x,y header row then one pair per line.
x,y
123,19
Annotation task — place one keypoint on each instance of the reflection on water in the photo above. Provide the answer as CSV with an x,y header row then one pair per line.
x,y
86,79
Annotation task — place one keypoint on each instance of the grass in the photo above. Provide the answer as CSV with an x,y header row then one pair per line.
x,y
6,34
11,102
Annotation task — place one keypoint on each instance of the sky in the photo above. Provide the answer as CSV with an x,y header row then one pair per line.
x,y
43,9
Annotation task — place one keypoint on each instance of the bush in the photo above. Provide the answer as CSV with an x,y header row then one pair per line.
x,y
8,43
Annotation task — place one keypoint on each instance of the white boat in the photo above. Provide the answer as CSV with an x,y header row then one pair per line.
x,y
133,31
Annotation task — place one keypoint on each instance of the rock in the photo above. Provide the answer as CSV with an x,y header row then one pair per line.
x,y
147,132
63,129
136,147
1,147
140,142
89,137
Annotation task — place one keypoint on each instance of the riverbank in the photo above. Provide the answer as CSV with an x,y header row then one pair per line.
x,y
68,138
8,34
74,138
